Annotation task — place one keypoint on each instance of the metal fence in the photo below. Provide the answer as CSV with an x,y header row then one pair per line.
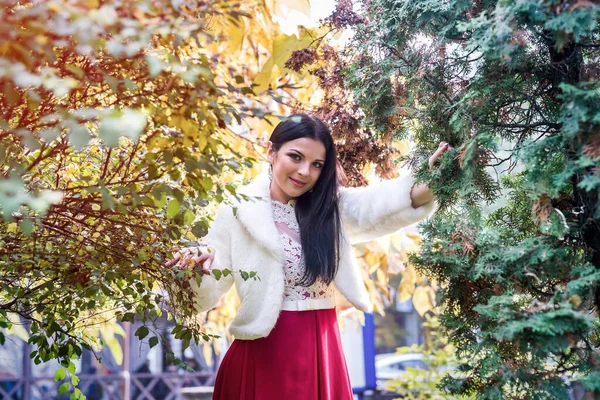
x,y
120,386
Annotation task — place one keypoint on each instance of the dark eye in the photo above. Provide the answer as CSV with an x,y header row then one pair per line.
x,y
318,165
295,156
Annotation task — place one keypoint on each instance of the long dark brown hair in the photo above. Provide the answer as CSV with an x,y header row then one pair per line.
x,y
317,210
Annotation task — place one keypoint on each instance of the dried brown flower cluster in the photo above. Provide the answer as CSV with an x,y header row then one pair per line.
x,y
357,147
592,146
344,15
300,58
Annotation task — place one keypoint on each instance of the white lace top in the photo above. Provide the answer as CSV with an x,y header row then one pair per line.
x,y
289,232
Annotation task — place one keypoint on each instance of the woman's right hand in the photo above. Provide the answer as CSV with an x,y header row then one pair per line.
x,y
192,257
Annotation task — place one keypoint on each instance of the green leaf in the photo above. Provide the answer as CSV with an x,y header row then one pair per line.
x,y
71,368
128,317
48,135
79,136
188,217
131,85
216,273
26,226
160,199
153,341
129,123
75,380
108,202
173,208
77,395
200,229
64,388
113,83
155,65
141,332
141,255
60,374
78,72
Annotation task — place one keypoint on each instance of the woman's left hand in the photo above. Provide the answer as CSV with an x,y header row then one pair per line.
x,y
422,194
443,147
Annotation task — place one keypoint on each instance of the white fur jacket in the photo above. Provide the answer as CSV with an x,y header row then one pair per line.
x,y
248,240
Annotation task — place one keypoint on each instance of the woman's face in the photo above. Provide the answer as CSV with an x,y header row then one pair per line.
x,y
296,167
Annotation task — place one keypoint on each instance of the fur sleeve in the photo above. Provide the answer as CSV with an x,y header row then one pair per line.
x,y
380,209
219,240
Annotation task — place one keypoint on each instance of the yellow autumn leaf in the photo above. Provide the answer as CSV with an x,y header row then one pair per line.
x,y
159,143
382,277
262,79
403,146
191,134
423,300
275,75
12,228
116,350
108,330
410,274
91,4
415,236
236,33
261,30
405,290
367,172
217,346
208,354
284,45
372,260
421,279
282,48
378,307
434,285
375,247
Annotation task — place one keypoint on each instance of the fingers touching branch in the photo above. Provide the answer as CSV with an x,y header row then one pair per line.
x,y
192,257
442,148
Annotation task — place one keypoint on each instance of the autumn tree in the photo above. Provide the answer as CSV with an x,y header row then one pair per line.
x,y
122,126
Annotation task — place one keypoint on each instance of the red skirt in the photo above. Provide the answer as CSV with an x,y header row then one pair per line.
x,y
301,359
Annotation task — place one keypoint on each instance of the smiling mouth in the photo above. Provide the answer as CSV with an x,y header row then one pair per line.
x,y
297,183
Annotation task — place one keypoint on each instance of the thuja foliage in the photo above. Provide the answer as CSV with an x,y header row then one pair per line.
x,y
513,87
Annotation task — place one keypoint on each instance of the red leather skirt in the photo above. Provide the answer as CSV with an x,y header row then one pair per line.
x,y
301,359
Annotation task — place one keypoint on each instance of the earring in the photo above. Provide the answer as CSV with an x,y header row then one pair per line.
x,y
311,189
270,172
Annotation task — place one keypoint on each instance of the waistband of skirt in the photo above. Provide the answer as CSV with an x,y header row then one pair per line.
x,y
308,304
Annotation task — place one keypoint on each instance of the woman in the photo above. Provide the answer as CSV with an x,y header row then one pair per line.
x,y
296,234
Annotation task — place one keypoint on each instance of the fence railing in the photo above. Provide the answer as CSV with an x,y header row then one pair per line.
x,y
141,386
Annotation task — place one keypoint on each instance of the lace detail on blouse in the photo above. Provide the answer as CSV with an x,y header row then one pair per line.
x,y
289,232
286,214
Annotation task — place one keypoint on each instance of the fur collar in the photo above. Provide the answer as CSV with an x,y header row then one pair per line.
x,y
256,215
